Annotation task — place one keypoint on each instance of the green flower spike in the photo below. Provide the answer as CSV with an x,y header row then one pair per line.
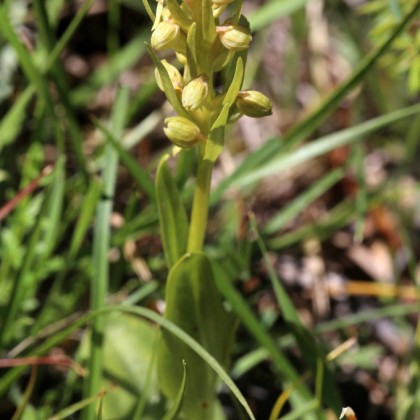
x,y
182,132
195,93
234,37
253,104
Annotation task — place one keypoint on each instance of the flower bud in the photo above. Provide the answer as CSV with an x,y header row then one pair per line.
x,y
181,58
182,132
174,75
234,37
167,35
195,93
253,104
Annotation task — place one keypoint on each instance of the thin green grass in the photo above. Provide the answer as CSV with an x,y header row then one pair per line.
x,y
101,245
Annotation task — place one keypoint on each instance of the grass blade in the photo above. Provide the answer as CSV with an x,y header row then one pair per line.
x,y
101,243
302,201
325,144
20,285
140,175
241,308
313,354
175,410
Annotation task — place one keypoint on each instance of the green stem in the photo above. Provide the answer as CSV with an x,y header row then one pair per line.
x,y
200,208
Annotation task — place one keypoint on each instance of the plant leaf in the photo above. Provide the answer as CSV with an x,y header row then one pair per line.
x,y
236,83
178,14
194,304
192,51
215,142
172,215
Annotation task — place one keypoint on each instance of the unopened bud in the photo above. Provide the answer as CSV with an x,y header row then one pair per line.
x,y
195,93
253,104
174,75
182,132
234,37
181,58
167,35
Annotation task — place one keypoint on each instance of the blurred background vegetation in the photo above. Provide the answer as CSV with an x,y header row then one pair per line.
x,y
330,184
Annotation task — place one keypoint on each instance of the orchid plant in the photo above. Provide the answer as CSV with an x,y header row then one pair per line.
x,y
205,44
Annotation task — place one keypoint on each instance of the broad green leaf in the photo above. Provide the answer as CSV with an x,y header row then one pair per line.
x,y
128,358
194,304
172,215
129,367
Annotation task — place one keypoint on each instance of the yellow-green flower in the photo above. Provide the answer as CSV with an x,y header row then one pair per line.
x,y
182,132
168,35
195,93
234,37
253,104
174,75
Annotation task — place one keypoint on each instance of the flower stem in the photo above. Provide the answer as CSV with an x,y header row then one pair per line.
x,y
200,209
